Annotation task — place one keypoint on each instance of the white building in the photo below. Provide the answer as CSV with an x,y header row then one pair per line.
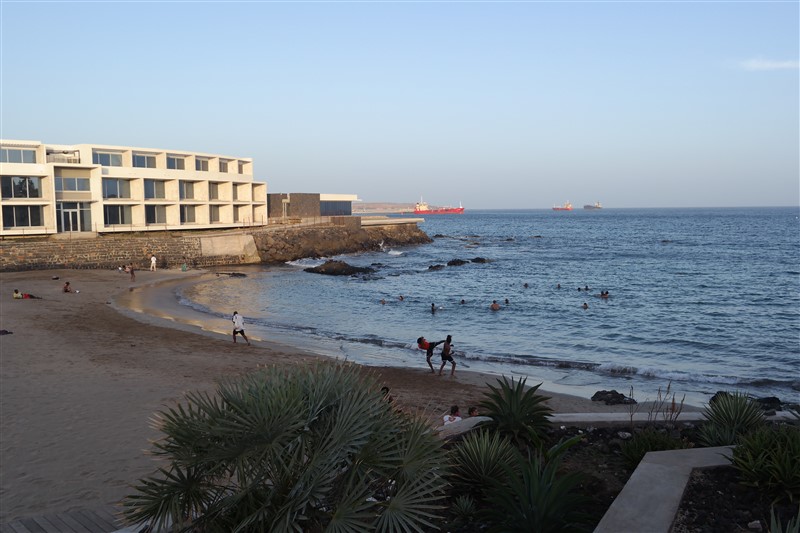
x,y
98,188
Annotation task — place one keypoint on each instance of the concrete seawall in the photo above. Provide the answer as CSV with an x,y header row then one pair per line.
x,y
267,244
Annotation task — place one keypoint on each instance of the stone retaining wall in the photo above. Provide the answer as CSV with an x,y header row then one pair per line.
x,y
271,245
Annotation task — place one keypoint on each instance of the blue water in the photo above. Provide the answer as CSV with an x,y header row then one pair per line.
x,y
708,299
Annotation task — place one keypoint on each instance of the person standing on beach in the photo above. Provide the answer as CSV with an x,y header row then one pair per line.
x,y
153,263
447,356
424,344
132,272
238,327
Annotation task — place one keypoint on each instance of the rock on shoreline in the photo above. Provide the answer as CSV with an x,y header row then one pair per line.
x,y
338,268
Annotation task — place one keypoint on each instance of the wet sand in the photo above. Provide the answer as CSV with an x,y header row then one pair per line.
x,y
82,373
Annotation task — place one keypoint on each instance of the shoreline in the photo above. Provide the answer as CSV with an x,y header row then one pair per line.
x,y
83,373
157,304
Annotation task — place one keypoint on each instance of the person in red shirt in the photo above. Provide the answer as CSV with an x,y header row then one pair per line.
x,y
428,346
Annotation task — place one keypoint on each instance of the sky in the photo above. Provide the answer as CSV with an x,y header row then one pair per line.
x,y
492,104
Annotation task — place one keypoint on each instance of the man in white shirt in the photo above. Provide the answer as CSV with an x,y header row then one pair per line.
x,y
153,262
238,327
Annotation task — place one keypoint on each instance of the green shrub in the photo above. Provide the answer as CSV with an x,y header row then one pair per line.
x,y
649,440
518,414
728,418
298,449
775,526
769,459
478,460
534,497
463,510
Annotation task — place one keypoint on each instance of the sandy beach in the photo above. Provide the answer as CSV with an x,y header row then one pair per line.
x,y
82,373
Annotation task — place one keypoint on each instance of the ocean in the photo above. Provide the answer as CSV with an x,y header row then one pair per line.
x,y
702,299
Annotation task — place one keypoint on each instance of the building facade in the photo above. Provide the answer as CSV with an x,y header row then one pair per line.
x,y
309,205
79,188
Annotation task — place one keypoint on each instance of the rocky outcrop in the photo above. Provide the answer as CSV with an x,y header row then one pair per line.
x,y
338,268
612,397
279,246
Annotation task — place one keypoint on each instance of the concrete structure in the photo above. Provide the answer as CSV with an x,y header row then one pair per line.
x,y
299,205
651,497
83,188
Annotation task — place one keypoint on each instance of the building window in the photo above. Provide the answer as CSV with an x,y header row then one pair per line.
x,y
153,189
214,213
186,190
21,187
72,184
236,214
176,162
187,214
235,192
201,164
73,216
213,191
17,155
17,216
116,188
144,161
223,165
241,167
116,214
155,214
107,159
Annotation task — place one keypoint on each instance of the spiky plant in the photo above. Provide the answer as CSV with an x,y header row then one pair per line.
x,y
297,449
729,417
463,510
769,459
535,497
649,440
517,412
479,460
775,525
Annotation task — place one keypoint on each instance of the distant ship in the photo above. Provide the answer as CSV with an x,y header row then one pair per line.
x,y
421,208
566,207
596,205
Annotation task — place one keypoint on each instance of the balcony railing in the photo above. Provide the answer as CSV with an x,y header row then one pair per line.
x,y
63,158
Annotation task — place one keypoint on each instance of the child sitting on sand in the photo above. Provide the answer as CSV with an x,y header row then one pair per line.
x,y
453,416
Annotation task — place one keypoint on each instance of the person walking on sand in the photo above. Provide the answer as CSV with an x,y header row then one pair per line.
x,y
238,327
447,356
153,262
424,344
132,272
